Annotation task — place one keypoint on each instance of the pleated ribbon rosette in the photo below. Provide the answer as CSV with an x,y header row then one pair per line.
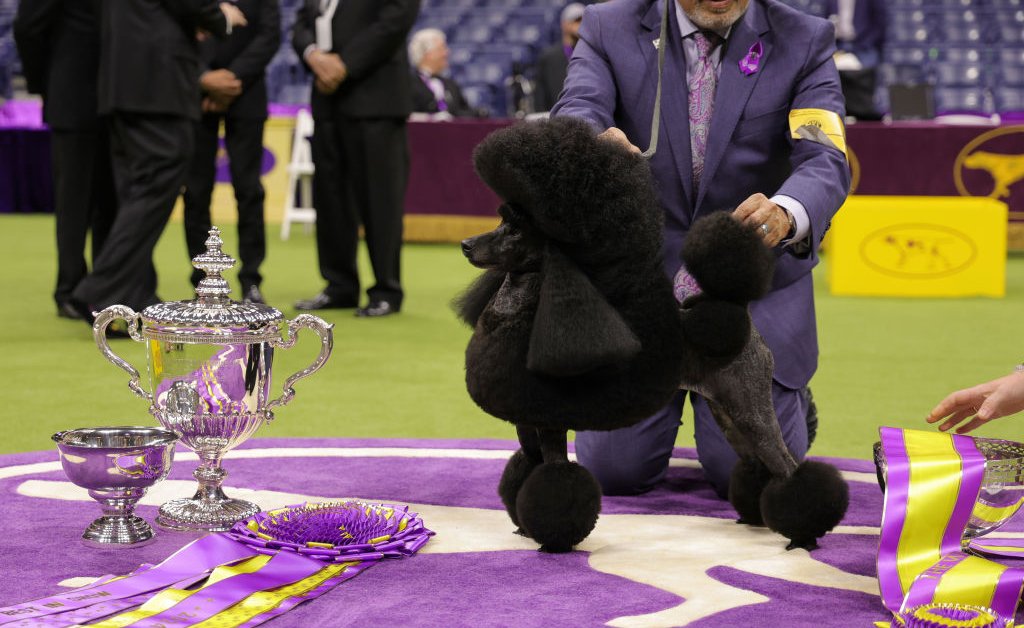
x,y
262,568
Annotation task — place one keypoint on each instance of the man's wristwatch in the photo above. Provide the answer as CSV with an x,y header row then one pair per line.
x,y
792,225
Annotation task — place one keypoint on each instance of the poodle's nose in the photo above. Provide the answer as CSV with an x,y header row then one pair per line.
x,y
467,246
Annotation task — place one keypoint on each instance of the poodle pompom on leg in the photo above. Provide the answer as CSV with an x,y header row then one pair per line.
x,y
558,505
518,468
749,477
806,505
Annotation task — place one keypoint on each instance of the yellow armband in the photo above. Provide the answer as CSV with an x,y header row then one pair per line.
x,y
818,125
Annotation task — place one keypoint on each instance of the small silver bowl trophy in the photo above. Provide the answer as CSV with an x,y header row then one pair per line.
x,y
116,465
1002,486
210,372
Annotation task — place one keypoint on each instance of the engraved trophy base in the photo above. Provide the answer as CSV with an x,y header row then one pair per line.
x,y
113,532
199,515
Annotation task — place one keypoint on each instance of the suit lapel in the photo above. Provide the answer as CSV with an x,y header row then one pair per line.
x,y
675,119
734,88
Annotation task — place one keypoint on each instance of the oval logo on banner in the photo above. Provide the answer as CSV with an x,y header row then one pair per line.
x,y
992,164
854,169
918,251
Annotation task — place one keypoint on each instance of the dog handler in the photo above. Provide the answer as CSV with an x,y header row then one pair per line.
x,y
746,112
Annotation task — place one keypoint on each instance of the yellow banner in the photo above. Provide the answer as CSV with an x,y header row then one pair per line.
x,y
918,246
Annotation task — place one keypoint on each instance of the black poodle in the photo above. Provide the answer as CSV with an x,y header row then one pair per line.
x,y
576,327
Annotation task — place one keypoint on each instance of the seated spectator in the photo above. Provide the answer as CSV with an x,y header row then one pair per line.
x,y
432,91
553,63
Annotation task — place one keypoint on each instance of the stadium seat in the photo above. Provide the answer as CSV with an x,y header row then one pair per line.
x,y
300,177
962,100
961,74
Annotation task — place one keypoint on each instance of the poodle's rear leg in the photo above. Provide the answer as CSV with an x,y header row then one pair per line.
x,y
559,502
519,467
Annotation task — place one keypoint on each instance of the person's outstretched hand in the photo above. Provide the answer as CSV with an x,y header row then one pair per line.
x,y
980,404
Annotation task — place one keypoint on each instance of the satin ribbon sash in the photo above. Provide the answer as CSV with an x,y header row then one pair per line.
x,y
932,485
198,557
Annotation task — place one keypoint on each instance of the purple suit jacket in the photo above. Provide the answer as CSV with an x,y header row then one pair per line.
x,y
612,82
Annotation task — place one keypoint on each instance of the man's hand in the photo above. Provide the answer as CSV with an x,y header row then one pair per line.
x,y
214,105
220,83
614,134
233,15
770,220
329,69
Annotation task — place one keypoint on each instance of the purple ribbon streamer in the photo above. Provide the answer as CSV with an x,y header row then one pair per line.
x,y
283,569
897,484
750,63
199,556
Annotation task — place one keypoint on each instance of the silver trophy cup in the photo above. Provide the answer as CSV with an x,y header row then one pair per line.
x,y
210,365
116,465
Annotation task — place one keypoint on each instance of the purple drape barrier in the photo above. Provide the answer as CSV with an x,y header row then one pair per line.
x,y
909,158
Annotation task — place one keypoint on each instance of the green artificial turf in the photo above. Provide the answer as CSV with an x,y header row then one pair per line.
x,y
883,361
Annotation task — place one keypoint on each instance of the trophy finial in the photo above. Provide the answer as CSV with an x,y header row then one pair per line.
x,y
213,289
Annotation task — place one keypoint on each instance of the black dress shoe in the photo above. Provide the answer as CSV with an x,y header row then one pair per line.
x,y
81,310
66,310
253,295
376,308
324,302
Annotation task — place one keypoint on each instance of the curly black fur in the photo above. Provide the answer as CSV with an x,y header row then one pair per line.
x,y
558,505
749,477
807,504
517,469
744,275
588,337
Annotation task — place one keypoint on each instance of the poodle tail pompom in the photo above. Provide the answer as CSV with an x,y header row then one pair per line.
x,y
517,469
807,504
558,505
718,330
749,477
728,259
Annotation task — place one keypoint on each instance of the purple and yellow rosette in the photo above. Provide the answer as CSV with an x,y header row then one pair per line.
x,y
262,568
932,485
953,616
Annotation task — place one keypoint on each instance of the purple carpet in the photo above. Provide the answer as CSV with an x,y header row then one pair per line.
x,y
670,557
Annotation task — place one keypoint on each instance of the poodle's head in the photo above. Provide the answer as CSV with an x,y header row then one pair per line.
x,y
591,197
516,246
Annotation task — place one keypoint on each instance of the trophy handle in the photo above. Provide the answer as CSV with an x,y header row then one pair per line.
x,y
326,333
99,332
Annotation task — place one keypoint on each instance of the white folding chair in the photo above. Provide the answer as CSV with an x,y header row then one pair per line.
x,y
300,177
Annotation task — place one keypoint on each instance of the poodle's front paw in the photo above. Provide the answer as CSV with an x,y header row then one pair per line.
x,y
558,505
517,469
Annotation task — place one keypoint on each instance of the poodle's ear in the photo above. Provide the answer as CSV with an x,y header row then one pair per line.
x,y
575,330
471,303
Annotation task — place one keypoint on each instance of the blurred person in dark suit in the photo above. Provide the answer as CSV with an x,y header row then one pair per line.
x,y
59,45
553,63
361,99
860,39
432,91
234,90
149,61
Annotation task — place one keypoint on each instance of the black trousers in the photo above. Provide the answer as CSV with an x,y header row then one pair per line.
x,y
150,156
362,167
84,201
243,139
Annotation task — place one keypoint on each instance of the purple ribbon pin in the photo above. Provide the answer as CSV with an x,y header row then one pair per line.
x,y
750,63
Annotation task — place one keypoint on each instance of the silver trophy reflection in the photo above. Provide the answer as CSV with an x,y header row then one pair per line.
x,y
210,373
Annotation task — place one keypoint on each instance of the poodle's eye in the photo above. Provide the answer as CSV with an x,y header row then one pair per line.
x,y
510,214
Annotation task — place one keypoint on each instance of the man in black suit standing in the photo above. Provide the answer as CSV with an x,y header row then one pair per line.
x,y
553,63
361,99
59,45
432,91
149,61
234,89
